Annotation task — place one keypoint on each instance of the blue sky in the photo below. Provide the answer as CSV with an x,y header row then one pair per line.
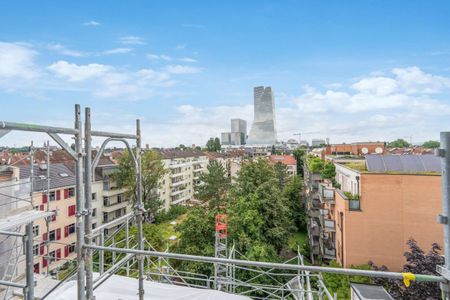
x,y
348,70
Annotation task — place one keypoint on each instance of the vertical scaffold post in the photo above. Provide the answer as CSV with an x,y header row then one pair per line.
x,y
88,203
29,262
444,153
139,209
221,251
79,205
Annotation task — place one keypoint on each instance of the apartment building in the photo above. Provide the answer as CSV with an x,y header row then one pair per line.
x,y
61,231
381,202
231,161
361,148
289,161
109,202
184,167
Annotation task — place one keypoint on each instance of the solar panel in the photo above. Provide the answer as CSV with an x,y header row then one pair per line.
x,y
403,163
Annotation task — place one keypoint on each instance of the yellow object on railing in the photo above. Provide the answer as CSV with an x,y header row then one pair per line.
x,y
407,278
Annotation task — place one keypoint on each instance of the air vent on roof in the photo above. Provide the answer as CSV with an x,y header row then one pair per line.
x,y
63,174
42,167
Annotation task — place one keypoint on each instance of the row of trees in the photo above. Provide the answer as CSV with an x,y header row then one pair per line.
x,y
263,207
213,145
401,143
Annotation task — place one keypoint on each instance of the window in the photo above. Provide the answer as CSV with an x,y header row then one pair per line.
x,y
69,249
36,268
94,196
52,256
52,196
69,229
36,230
52,235
119,198
94,225
71,192
105,201
105,217
71,210
36,250
94,212
53,217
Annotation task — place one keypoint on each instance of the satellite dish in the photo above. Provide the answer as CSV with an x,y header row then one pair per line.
x,y
378,150
365,150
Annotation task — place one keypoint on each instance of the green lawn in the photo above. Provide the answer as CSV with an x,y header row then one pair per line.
x,y
299,238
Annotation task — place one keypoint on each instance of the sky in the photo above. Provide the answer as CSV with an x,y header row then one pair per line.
x,y
348,70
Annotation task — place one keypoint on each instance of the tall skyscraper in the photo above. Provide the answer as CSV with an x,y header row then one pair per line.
x,y
239,125
263,130
238,133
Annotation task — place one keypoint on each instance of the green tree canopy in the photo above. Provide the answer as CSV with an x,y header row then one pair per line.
x,y
299,155
399,143
431,144
152,172
215,185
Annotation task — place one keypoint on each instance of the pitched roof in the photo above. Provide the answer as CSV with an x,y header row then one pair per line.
x,y
60,176
179,153
284,159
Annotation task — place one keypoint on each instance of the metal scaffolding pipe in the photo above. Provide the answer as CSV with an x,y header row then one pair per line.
x,y
36,128
444,217
79,205
206,259
139,210
114,135
11,233
29,261
13,284
88,203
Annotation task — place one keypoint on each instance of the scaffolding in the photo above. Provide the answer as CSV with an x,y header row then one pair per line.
x,y
300,281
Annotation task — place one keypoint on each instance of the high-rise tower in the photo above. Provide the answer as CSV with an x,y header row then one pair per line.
x,y
263,131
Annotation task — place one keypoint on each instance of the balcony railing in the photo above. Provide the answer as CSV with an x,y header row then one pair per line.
x,y
326,194
329,225
329,253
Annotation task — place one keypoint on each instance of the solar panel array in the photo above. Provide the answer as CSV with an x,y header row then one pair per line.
x,y
403,163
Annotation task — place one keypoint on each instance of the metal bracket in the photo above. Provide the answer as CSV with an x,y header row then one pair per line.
x,y
81,213
63,144
443,271
439,152
441,219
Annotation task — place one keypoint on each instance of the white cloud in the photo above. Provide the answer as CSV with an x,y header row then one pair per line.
x,y
16,61
414,80
91,23
63,50
377,85
188,59
118,51
132,40
159,57
180,69
74,72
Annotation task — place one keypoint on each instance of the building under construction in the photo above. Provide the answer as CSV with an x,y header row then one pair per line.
x,y
107,267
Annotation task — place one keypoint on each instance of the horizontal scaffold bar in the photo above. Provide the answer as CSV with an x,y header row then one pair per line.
x,y
343,271
36,128
114,135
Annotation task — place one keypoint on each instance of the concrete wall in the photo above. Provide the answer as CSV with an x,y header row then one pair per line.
x,y
393,209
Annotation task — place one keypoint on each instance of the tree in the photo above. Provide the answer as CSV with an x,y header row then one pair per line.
x,y
196,238
399,143
152,172
417,262
431,144
217,146
293,194
215,185
328,171
299,155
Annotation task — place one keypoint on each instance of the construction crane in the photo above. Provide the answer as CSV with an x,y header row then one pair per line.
x,y
300,135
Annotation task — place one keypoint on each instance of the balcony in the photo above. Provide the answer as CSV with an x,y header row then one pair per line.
x,y
174,184
329,253
174,193
326,194
182,199
329,225
314,228
113,191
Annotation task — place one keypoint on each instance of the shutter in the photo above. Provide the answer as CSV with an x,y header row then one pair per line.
x,y
66,231
44,198
58,254
54,216
44,236
66,193
58,233
58,195
41,207
44,262
41,249
66,251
